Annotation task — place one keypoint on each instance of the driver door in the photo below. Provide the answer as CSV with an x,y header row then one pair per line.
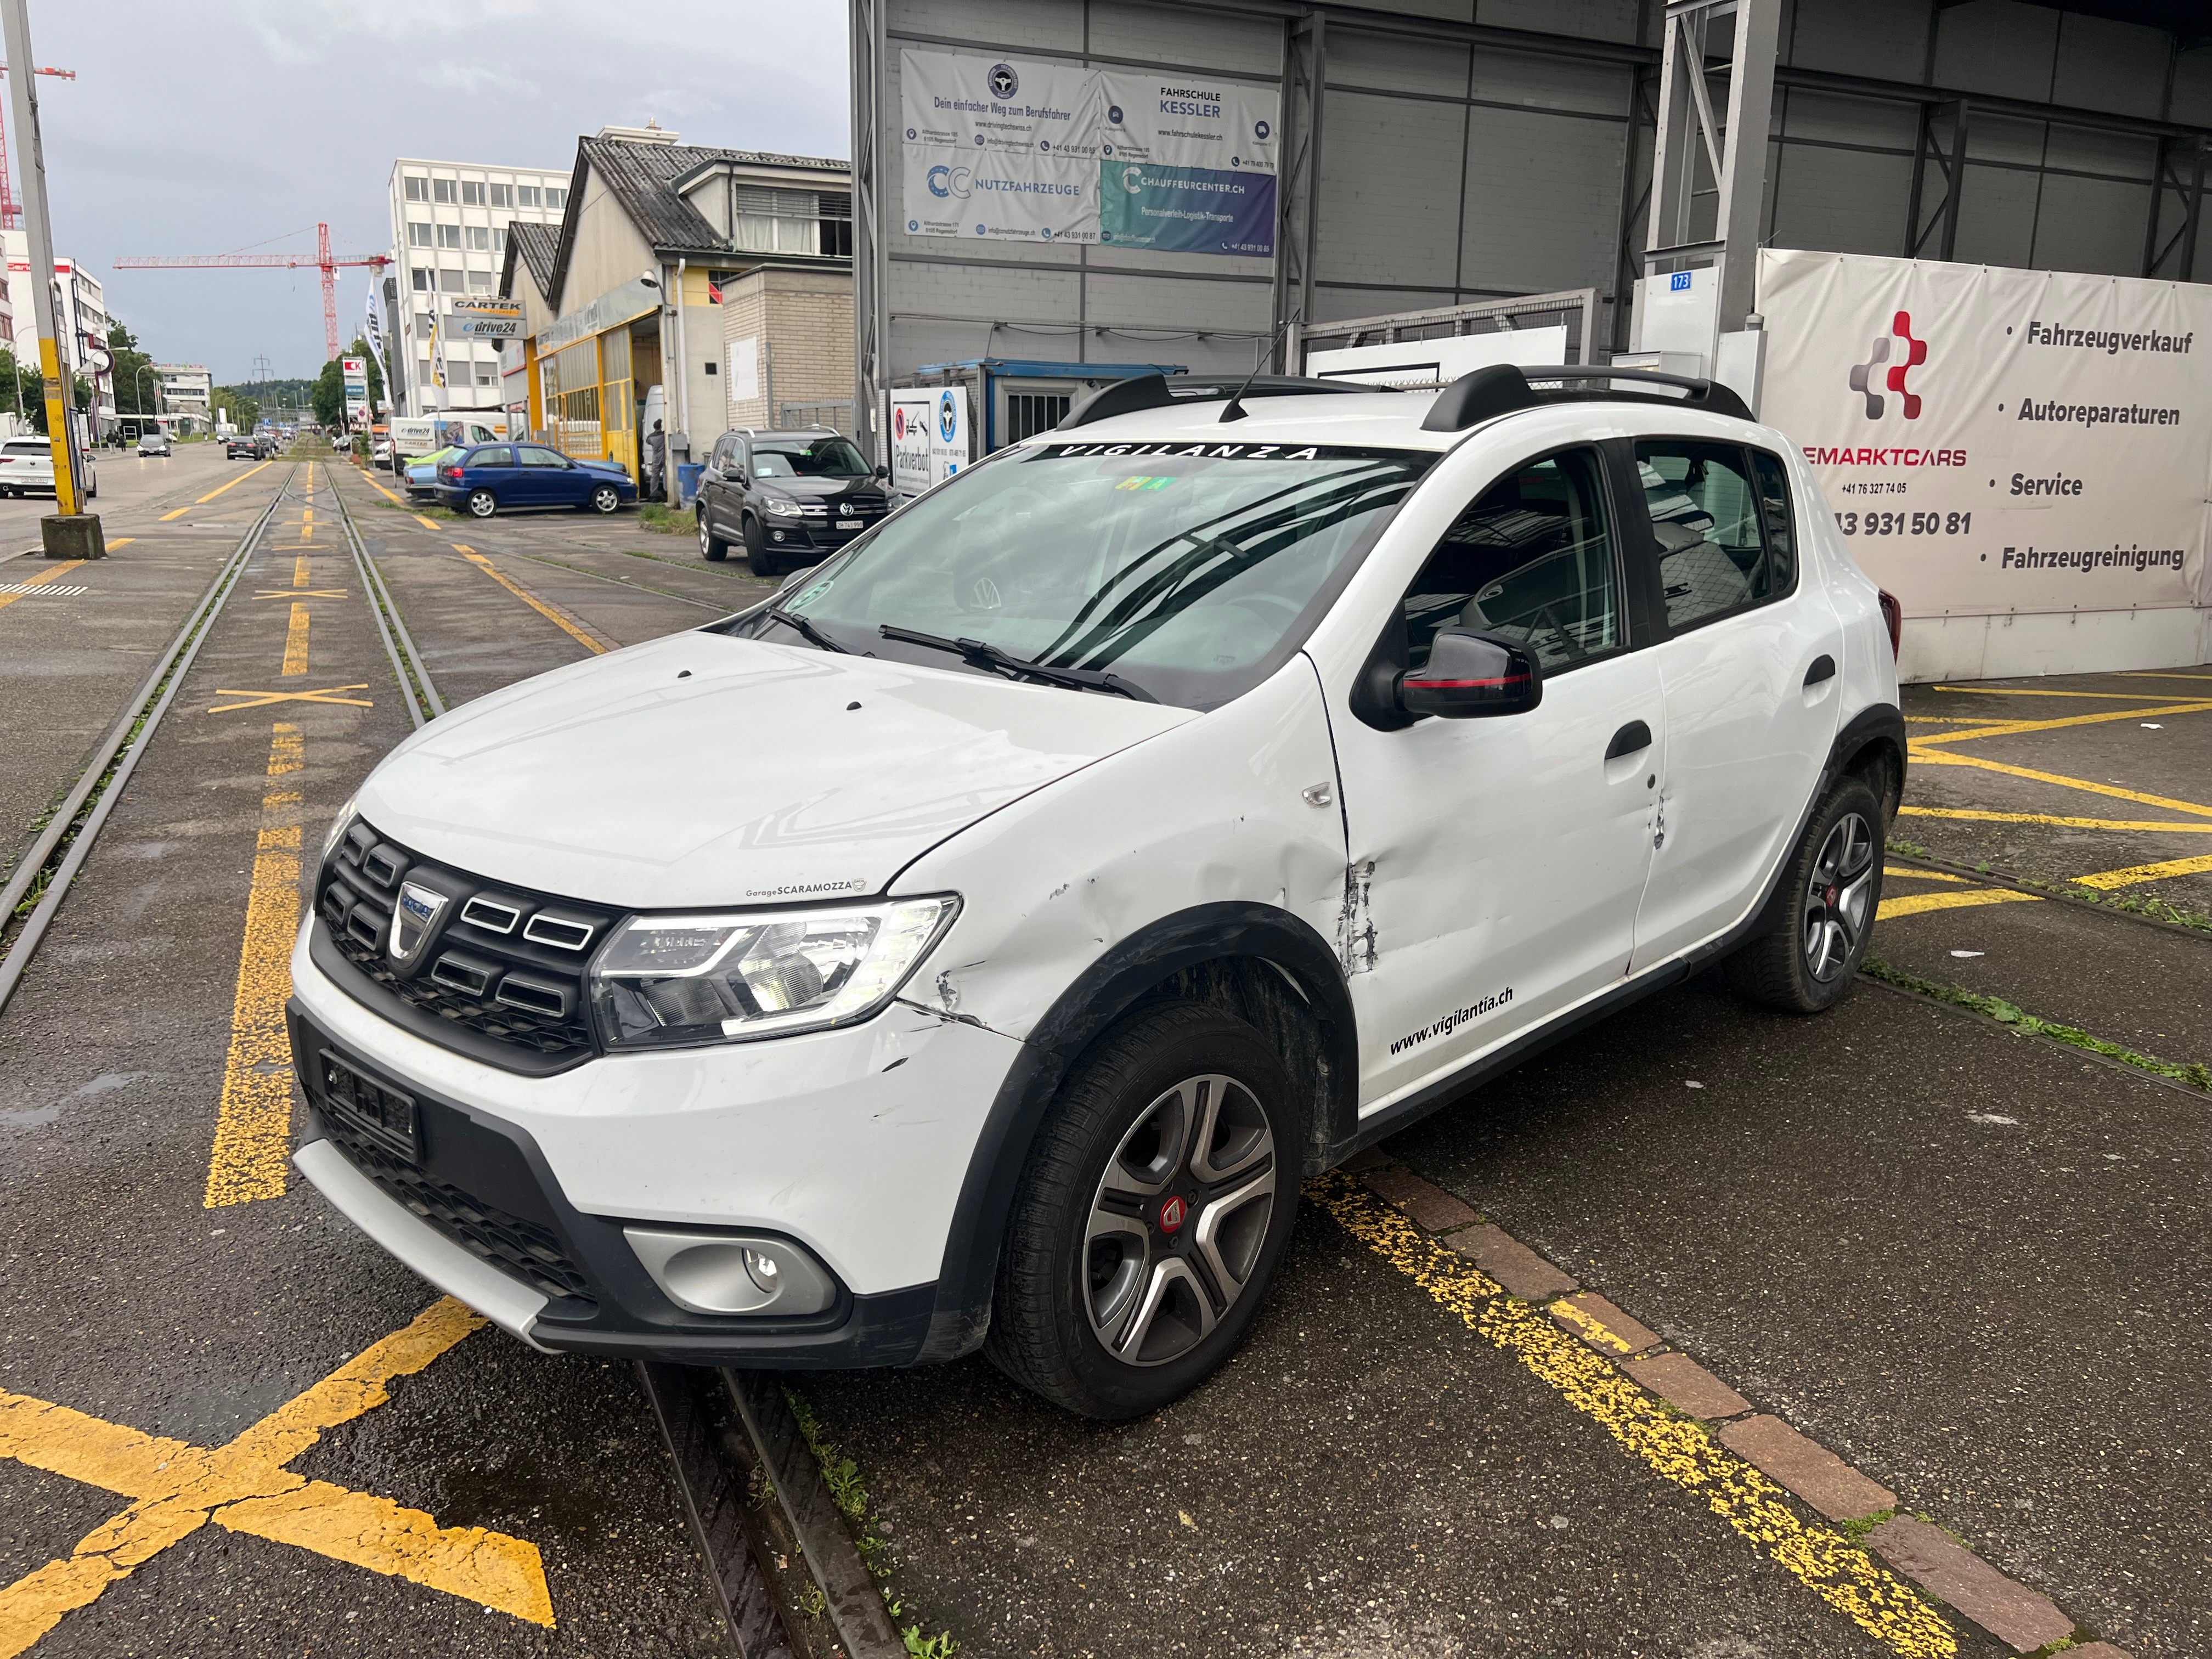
x,y
542,477
1496,863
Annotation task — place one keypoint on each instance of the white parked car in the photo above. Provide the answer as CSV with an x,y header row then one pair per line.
x,y
27,468
975,945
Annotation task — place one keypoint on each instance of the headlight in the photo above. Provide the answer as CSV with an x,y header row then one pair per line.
x,y
661,980
336,833
781,508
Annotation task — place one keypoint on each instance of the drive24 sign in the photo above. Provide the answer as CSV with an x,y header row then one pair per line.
x,y
1995,440
1036,150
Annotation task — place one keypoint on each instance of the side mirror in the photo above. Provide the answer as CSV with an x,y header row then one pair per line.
x,y
881,471
1471,675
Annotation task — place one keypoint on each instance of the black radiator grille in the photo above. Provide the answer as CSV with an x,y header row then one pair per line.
x,y
503,962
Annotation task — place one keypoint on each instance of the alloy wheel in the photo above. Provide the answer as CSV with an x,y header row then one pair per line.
x,y
606,498
1838,896
1177,1225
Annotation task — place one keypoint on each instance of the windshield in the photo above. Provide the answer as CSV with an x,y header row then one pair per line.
x,y
1187,570
803,458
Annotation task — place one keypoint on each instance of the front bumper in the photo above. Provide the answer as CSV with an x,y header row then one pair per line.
x,y
517,1200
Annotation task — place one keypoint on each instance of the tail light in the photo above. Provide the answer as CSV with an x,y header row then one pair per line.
x,y
1893,616
451,474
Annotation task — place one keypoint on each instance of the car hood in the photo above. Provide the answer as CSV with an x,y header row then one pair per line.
x,y
701,770
814,489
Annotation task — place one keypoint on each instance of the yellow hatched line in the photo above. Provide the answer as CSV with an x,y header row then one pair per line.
x,y
43,577
254,1124
2107,879
574,631
1939,757
1976,815
175,1488
2009,728
2010,691
1913,904
1906,870
1674,1447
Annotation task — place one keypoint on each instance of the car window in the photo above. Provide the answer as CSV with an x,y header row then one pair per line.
x,y
809,457
492,458
1706,520
767,464
1774,511
540,457
1530,560
23,447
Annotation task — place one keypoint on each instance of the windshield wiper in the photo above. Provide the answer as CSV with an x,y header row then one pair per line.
x,y
984,654
806,629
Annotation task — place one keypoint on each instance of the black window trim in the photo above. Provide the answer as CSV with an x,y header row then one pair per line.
x,y
1630,485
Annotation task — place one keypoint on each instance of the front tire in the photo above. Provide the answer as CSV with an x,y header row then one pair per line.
x,y
482,503
711,546
606,498
1154,1206
758,560
1806,962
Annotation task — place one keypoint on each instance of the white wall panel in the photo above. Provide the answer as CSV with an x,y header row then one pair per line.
x,y
1052,24
1543,198
1150,302
2192,87
2086,151
1837,120
1333,304
1390,175
1592,20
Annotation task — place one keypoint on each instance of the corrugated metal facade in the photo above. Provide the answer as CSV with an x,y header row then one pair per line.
x,y
1459,162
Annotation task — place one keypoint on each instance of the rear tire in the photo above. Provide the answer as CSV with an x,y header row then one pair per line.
x,y
1807,959
1154,1206
482,503
758,560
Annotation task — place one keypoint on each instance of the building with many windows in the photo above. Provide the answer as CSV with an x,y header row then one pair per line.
x,y
187,397
449,230
84,307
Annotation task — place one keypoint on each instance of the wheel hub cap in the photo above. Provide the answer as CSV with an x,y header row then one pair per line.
x,y
1838,897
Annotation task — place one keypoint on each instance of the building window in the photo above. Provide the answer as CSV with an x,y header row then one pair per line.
x,y
472,193
555,199
424,372
499,242
449,235
422,279
418,234
501,196
487,374
418,188
792,221
480,282
441,189
479,238
449,281
526,196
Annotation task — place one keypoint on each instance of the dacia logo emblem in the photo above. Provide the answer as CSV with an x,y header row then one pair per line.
x,y
412,919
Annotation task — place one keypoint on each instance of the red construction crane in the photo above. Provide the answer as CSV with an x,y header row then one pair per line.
x,y
11,210
322,259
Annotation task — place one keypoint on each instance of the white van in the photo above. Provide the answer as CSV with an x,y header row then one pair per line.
x,y
414,436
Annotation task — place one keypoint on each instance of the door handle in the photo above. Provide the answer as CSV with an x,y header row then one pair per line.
x,y
1631,738
1823,668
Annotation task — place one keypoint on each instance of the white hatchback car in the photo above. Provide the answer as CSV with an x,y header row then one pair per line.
x,y
975,945
27,468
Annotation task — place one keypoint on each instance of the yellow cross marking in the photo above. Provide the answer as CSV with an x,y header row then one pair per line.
x,y
1938,758
1967,899
2009,728
2054,819
262,699
175,1488
303,593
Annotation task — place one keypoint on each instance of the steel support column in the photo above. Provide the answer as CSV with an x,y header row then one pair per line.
x,y
1305,70
871,324
1943,140
2180,169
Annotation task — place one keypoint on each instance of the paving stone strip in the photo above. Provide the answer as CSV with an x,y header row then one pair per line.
x,y
2025,1620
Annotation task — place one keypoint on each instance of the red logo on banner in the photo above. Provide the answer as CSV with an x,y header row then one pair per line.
x,y
1915,353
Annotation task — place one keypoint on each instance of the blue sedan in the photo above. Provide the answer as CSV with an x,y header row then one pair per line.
x,y
483,479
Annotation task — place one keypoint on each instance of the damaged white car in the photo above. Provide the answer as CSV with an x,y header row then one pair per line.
x,y
977,944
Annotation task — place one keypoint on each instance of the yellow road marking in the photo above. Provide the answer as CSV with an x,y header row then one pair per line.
x,y
41,579
253,1125
232,485
426,524
1918,875
262,699
1947,719
301,593
175,1488
121,541
2053,818
573,630
295,642
2009,728
179,513
1938,758
1677,1448
2107,879
2151,674
2007,691
300,567
1912,904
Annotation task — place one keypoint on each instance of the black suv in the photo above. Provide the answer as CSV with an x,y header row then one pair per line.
x,y
791,498
242,446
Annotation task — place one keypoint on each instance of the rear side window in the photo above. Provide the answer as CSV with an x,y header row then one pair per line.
x,y
1723,539
492,458
1530,560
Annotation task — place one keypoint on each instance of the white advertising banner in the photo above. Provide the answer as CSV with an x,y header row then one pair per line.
x,y
1995,440
1035,150
928,429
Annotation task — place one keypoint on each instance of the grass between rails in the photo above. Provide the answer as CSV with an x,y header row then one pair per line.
x,y
842,1477
2194,1075
2157,909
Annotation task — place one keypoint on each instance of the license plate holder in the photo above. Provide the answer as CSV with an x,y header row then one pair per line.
x,y
848,523
386,1116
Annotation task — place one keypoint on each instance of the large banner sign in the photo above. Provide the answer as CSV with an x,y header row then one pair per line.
x,y
1031,149
1993,440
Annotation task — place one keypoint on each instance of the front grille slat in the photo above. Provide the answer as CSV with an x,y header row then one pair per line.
x,y
466,971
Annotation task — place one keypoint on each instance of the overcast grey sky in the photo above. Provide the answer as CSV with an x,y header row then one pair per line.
x,y
215,126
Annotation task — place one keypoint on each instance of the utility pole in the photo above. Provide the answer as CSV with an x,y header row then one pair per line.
x,y
71,533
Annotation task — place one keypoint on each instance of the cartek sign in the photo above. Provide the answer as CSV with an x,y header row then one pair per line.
x,y
486,319
1997,442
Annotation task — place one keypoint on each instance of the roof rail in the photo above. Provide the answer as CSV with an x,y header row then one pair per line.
x,y
1502,388
1157,391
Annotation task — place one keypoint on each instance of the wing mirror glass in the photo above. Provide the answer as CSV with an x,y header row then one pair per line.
x,y
1471,675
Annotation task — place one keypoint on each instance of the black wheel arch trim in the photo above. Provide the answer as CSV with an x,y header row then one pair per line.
x,y
1120,980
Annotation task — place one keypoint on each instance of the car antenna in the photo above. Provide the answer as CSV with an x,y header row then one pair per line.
x,y
1235,410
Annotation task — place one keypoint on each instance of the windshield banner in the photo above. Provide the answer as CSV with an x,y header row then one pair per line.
x,y
1034,150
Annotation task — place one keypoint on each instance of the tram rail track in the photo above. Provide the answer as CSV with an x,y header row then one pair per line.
x,y
40,881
